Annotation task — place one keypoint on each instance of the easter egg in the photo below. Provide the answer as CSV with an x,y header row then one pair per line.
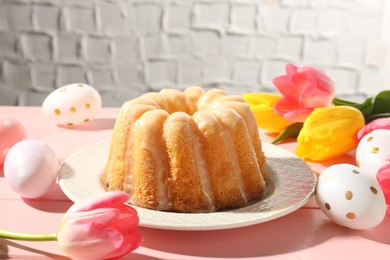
x,y
31,168
350,197
383,178
373,151
11,132
72,105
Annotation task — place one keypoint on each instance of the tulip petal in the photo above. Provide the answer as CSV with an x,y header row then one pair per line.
x,y
292,111
266,99
103,200
262,105
132,240
329,132
314,97
291,69
326,151
303,89
317,77
283,106
128,219
267,119
290,88
105,216
298,115
100,227
91,241
124,220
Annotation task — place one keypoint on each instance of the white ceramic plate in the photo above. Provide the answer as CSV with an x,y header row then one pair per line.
x,y
291,186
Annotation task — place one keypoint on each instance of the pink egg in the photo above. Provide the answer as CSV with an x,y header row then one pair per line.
x,y
11,132
383,177
31,168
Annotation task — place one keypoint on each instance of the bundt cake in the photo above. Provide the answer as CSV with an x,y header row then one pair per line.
x,y
191,151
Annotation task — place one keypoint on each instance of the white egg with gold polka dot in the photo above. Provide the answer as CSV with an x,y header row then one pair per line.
x,y
72,105
31,168
373,151
350,197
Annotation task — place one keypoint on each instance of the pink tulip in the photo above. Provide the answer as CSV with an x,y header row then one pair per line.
x,y
381,123
100,227
303,90
383,177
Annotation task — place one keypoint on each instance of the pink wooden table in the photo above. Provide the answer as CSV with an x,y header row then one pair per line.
x,y
303,234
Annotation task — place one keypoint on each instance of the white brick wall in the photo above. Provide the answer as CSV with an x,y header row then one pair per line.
x,y
128,47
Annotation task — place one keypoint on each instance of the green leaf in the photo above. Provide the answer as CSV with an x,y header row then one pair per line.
x,y
365,107
291,131
381,103
372,117
342,102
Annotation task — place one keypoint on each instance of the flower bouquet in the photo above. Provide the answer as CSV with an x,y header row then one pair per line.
x,y
306,108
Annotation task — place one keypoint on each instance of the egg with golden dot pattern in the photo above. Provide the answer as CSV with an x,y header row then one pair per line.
x,y
373,151
72,105
350,197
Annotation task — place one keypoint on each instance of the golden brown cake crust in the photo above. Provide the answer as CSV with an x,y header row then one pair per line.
x,y
191,151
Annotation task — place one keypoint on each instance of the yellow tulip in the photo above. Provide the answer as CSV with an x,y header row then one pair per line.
x,y
262,105
329,132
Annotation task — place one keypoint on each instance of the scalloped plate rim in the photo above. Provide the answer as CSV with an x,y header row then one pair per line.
x,y
80,172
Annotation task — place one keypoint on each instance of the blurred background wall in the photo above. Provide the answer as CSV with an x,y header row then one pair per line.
x,y
125,48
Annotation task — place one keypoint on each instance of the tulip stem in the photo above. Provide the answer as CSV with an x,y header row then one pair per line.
x,y
27,237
